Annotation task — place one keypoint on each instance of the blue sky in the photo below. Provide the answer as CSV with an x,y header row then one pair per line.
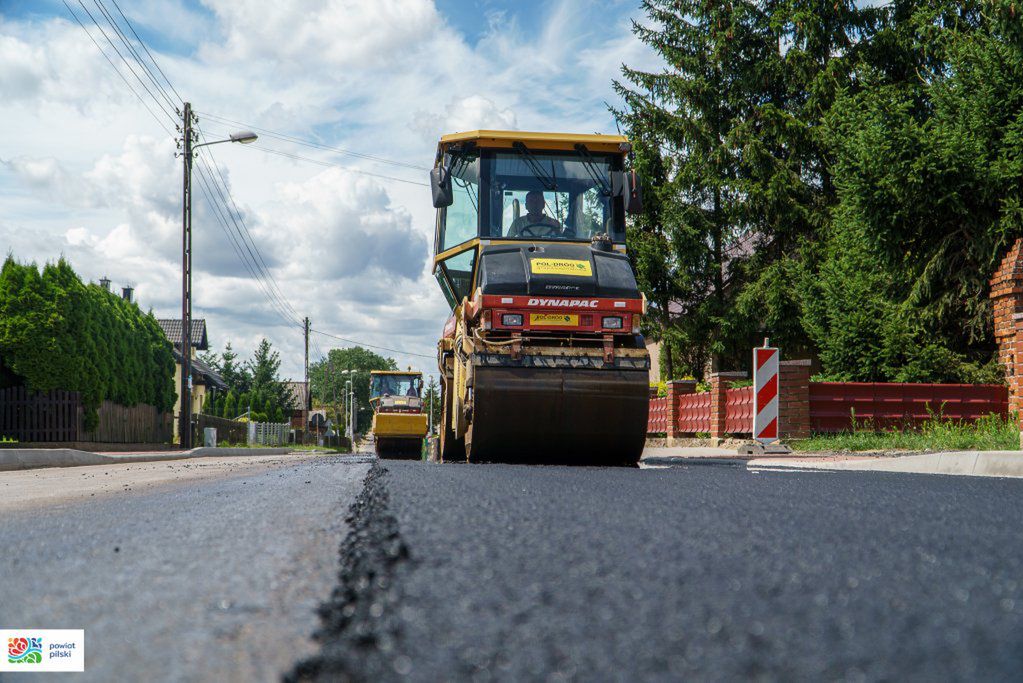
x,y
87,173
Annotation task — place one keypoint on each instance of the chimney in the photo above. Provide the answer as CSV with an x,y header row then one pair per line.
x,y
104,282
126,293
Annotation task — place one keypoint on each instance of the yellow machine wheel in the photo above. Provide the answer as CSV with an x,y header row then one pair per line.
x,y
451,449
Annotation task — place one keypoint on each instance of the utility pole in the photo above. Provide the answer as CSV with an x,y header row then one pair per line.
x,y
308,394
187,146
185,426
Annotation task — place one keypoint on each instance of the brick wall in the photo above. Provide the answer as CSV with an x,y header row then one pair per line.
x,y
676,390
794,399
1007,305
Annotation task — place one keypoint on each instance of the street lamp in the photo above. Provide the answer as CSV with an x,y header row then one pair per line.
x,y
188,153
350,383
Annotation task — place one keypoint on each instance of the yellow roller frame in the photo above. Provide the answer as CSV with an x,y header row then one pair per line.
x,y
399,425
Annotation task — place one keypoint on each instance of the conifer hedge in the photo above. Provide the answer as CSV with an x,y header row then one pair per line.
x,y
57,332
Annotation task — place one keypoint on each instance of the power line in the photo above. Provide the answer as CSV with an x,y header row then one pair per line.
x,y
298,157
244,229
371,346
262,275
151,57
133,72
225,227
113,66
135,53
312,143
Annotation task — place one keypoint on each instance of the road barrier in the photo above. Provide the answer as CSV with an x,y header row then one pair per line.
x,y
765,394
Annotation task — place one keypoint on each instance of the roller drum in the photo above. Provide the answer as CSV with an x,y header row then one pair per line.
x,y
558,415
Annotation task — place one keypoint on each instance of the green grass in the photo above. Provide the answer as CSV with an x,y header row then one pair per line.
x,y
991,433
292,446
312,447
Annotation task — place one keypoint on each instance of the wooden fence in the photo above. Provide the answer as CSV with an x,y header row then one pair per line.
x,y
129,424
50,416
231,431
57,417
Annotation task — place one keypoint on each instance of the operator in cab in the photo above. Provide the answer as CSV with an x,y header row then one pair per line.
x,y
535,223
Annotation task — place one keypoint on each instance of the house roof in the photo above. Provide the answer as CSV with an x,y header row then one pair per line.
x,y
203,373
299,394
172,328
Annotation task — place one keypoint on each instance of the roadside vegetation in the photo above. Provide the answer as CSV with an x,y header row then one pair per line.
x,y
843,176
937,434
57,332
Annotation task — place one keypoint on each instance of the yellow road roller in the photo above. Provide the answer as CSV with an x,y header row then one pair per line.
x,y
399,423
542,359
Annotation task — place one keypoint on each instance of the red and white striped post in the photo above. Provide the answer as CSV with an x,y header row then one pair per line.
x,y
765,394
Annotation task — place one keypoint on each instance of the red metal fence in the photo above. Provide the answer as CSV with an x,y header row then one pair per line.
x,y
657,421
739,410
694,413
892,405
832,406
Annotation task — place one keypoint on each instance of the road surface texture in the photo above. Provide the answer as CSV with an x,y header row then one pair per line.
x,y
495,572
184,571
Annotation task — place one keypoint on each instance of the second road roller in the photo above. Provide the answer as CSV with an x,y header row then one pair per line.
x,y
542,359
399,423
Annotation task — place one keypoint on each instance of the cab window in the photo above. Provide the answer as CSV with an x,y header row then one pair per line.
x,y
458,271
552,195
460,222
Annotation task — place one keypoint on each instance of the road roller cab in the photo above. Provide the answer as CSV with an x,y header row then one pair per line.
x,y
399,423
542,356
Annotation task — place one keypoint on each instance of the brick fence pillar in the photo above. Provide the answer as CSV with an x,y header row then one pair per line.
x,y
1007,307
719,382
677,388
794,399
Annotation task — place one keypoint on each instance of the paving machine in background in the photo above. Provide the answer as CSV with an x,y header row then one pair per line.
x,y
541,359
399,423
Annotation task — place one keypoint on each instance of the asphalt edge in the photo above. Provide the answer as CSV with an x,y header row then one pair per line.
x,y
13,459
359,620
1007,464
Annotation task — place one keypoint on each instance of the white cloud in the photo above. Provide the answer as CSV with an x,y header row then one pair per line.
x,y
88,173
462,114
341,34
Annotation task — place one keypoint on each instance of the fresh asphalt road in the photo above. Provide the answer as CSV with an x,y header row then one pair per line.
x,y
495,572
213,571
182,571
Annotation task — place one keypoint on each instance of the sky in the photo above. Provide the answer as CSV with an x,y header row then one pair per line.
x,y
87,173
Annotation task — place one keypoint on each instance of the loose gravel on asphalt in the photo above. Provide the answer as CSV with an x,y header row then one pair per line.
x,y
510,573
211,576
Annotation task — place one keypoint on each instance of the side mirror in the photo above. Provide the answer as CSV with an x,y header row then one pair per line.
x,y
626,184
634,199
440,185
619,184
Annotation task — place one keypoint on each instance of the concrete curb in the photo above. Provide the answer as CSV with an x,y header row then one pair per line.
x,y
34,458
963,463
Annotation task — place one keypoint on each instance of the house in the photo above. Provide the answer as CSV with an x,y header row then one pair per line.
x,y
298,404
204,378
